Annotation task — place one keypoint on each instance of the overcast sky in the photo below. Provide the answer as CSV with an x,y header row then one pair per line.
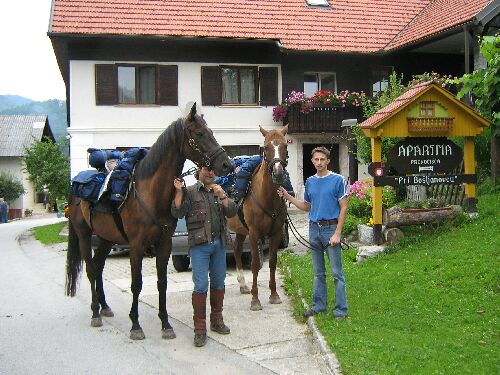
x,y
28,65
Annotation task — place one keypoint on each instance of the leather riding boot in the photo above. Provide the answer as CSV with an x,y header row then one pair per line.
x,y
200,318
216,320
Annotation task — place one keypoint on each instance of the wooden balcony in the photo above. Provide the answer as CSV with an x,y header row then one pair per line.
x,y
321,119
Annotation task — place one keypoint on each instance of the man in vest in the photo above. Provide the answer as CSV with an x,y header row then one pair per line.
x,y
206,207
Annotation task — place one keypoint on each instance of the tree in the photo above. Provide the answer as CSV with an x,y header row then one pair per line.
x,y
10,187
47,167
484,84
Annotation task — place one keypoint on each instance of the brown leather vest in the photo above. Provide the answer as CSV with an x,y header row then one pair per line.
x,y
198,219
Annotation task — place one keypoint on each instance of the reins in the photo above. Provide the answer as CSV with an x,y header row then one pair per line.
x,y
343,244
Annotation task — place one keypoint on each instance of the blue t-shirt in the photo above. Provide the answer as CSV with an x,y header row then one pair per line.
x,y
324,194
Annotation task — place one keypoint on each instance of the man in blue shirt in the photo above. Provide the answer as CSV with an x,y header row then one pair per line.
x,y
325,198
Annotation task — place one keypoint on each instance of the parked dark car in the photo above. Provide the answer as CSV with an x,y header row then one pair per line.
x,y
180,248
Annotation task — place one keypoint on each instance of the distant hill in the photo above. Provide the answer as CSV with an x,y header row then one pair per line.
x,y
54,109
11,101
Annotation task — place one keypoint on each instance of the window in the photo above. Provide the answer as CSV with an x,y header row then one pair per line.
x,y
239,85
322,3
241,150
314,82
380,79
427,109
136,84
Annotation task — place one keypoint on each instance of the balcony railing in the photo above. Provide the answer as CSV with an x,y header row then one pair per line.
x,y
320,119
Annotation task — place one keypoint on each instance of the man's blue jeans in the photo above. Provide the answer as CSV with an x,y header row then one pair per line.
x,y
207,257
319,237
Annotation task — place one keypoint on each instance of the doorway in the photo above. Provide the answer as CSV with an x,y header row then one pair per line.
x,y
308,167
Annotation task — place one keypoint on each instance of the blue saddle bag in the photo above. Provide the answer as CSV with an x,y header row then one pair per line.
x,y
87,185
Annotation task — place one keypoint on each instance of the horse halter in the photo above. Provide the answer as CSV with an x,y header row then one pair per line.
x,y
271,163
207,159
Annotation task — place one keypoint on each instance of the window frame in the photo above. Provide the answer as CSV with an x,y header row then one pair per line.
x,y
426,106
377,69
137,68
255,69
318,80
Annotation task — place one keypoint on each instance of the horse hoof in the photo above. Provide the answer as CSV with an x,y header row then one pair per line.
x,y
255,306
96,322
168,334
137,334
274,300
107,312
244,290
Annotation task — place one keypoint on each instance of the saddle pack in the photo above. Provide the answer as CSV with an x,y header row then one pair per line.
x,y
90,184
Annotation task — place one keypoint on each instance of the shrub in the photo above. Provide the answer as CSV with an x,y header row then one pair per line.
x,y
10,187
360,198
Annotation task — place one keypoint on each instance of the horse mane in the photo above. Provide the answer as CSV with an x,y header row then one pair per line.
x,y
165,142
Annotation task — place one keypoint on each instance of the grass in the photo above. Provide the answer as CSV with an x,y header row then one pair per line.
x,y
49,234
428,306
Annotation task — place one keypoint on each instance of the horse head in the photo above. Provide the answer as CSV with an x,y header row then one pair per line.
x,y
276,153
201,147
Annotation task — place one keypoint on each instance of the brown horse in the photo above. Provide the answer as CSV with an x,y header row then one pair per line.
x,y
264,213
145,217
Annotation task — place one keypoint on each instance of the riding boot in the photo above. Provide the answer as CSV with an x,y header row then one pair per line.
x,y
216,320
200,318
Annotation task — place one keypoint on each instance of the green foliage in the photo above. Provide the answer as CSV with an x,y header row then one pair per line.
x,y
484,84
429,308
48,167
360,199
49,234
427,203
10,187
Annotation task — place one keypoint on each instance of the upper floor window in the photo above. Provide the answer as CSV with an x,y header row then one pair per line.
x,y
427,109
322,3
244,85
314,82
380,79
239,85
136,84
240,150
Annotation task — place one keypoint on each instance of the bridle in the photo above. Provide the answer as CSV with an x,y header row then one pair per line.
x,y
207,159
270,163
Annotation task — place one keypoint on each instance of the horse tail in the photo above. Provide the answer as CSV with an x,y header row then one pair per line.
x,y
73,262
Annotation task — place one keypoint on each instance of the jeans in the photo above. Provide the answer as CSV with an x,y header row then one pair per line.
x,y
210,256
319,237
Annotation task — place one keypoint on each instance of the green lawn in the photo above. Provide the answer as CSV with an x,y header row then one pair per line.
x,y
49,234
430,306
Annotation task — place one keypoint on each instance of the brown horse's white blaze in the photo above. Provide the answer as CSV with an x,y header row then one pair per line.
x,y
264,213
145,215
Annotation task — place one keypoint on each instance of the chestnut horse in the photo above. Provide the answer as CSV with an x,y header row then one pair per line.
x,y
145,218
264,214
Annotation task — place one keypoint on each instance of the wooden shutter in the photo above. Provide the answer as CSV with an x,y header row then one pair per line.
x,y
268,78
168,85
106,85
211,85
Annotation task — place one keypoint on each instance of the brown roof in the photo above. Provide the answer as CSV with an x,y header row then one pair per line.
x,y
393,107
345,26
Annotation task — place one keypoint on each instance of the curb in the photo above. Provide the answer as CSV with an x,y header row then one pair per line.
x,y
329,357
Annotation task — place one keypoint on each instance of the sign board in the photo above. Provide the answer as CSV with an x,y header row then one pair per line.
x,y
455,179
424,155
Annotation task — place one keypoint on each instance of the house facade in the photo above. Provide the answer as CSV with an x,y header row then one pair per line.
x,y
17,133
132,68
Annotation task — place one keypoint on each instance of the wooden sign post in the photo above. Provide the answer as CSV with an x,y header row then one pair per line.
x,y
426,116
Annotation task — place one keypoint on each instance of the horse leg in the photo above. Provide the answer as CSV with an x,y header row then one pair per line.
x,y
86,251
238,252
274,298
136,254
99,259
162,257
254,238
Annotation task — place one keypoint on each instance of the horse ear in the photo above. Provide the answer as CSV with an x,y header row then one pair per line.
x,y
192,113
284,130
263,131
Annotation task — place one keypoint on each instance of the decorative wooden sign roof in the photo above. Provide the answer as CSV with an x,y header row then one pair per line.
x,y
426,110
